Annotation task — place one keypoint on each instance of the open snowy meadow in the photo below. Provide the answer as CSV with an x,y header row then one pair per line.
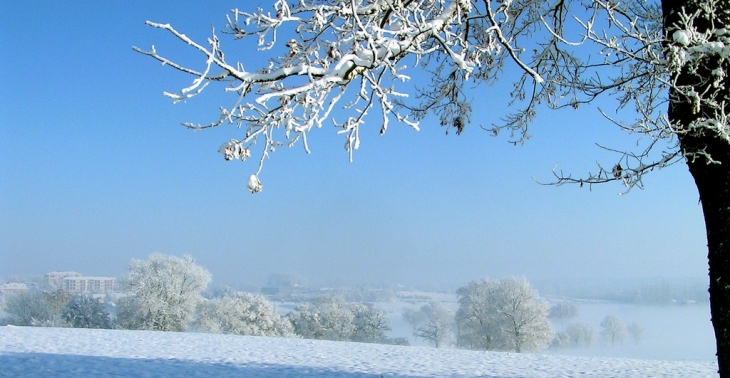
x,y
64,352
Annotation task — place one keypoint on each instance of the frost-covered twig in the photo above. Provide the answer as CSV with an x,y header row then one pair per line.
x,y
332,44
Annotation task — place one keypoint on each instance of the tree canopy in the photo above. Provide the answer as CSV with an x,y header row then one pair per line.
x,y
360,56
163,292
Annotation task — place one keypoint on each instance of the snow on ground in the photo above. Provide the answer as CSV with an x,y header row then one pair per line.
x,y
63,352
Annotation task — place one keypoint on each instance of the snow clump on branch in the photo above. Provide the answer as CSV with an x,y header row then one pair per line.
x,y
254,185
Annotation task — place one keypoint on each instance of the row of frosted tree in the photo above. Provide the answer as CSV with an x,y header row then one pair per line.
x,y
164,293
508,315
492,315
579,334
56,309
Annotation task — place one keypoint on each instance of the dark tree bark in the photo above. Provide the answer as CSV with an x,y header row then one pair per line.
x,y
712,177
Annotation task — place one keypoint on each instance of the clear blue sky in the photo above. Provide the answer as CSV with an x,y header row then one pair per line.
x,y
95,170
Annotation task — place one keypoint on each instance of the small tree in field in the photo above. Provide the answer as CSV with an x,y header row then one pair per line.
x,y
164,292
580,334
129,314
562,311
369,323
329,317
636,331
664,62
241,314
38,308
432,322
83,311
58,299
326,318
29,308
613,329
477,321
502,315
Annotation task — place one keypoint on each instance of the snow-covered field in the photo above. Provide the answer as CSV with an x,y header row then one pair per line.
x,y
61,352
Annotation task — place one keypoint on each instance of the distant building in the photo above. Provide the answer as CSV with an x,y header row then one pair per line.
x,y
81,284
77,283
13,288
52,280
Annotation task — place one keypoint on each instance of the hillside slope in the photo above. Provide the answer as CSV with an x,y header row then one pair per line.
x,y
59,352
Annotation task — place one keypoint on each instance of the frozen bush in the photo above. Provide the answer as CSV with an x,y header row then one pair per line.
x,y
164,292
331,318
83,311
581,334
29,309
432,322
242,314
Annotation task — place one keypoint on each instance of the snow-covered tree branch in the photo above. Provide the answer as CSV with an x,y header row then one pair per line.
x,y
352,55
344,54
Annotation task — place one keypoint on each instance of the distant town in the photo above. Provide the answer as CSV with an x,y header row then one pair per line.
x,y
72,282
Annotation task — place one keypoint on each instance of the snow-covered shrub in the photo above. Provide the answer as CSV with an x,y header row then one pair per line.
x,y
331,318
241,314
163,292
575,335
613,329
581,334
29,309
636,331
369,324
326,318
432,322
502,315
560,340
83,311
58,299
563,311
129,314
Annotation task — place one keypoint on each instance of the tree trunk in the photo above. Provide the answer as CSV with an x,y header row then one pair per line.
x,y
713,185
708,158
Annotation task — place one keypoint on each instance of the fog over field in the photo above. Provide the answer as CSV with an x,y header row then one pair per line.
x,y
670,332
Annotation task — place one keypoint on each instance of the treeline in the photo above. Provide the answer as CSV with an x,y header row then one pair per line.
x,y
56,309
508,316
503,315
579,334
164,293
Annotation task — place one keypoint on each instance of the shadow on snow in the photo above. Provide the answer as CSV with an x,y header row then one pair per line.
x,y
67,366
